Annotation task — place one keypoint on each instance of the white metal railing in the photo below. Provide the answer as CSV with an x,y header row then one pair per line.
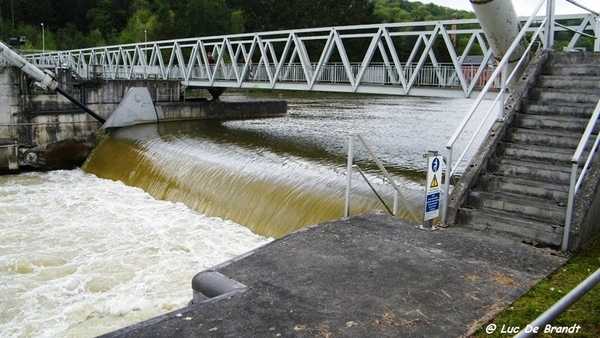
x,y
500,98
302,59
561,306
576,180
397,192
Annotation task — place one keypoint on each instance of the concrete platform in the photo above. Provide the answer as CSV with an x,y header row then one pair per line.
x,y
370,275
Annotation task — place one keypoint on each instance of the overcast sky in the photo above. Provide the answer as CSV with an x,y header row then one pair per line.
x,y
525,7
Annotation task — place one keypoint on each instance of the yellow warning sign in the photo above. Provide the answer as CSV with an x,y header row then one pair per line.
x,y
434,183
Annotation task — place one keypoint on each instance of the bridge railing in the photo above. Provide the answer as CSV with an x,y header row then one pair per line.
x,y
441,76
394,58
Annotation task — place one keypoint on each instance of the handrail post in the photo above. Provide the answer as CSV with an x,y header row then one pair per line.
x,y
504,81
447,185
597,43
395,203
550,22
349,173
570,202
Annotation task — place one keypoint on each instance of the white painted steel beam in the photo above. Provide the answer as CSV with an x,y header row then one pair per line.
x,y
398,58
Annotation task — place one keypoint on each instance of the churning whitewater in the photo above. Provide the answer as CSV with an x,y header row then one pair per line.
x,y
82,256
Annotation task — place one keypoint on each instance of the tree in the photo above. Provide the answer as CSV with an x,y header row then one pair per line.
x,y
266,15
207,17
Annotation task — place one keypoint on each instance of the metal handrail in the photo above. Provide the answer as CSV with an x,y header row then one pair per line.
x,y
562,305
383,170
583,7
576,181
502,66
373,189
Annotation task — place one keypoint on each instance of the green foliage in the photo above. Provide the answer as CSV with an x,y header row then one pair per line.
x,y
585,312
410,11
73,24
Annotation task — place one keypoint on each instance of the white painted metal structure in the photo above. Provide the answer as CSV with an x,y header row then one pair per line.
x,y
549,23
395,58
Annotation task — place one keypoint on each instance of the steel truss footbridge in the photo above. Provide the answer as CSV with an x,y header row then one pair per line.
x,y
416,58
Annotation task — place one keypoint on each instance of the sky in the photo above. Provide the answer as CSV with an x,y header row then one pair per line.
x,y
525,7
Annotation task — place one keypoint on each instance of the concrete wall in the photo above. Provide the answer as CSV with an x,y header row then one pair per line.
x,y
222,109
585,223
52,132
9,101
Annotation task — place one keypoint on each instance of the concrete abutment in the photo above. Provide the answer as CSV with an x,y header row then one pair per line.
x,y
44,130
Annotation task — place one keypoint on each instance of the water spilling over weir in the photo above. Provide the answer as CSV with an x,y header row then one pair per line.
x,y
271,186
278,175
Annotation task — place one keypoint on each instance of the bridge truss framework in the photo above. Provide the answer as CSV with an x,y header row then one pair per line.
x,y
417,58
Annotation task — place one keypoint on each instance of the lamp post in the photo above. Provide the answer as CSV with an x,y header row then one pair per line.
x,y
43,40
145,36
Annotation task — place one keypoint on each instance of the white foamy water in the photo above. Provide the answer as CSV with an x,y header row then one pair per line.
x,y
82,256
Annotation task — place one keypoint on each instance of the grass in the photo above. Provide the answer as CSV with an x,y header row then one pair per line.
x,y
585,312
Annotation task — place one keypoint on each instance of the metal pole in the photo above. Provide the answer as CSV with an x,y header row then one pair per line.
x,y
550,23
570,202
503,79
395,203
447,185
597,44
349,173
562,305
80,105
43,40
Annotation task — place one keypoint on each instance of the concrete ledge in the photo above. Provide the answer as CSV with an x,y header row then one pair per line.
x,y
226,110
370,275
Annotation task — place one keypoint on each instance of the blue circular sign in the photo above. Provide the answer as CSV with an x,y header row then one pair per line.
x,y
435,165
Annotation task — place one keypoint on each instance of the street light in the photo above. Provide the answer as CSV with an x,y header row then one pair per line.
x,y
145,36
43,40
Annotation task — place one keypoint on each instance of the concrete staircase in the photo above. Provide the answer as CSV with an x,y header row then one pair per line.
x,y
523,190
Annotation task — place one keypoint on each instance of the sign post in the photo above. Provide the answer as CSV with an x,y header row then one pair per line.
x,y
432,187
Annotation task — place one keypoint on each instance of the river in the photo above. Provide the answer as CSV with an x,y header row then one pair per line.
x,y
86,252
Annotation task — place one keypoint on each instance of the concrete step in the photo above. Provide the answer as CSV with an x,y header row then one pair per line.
x,y
574,109
530,170
574,95
566,81
530,207
568,123
526,187
570,58
535,153
505,222
572,69
548,138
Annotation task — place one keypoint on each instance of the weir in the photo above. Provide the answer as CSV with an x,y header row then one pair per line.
x,y
250,181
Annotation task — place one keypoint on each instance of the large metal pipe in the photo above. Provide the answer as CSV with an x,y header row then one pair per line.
x,y
501,26
44,79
